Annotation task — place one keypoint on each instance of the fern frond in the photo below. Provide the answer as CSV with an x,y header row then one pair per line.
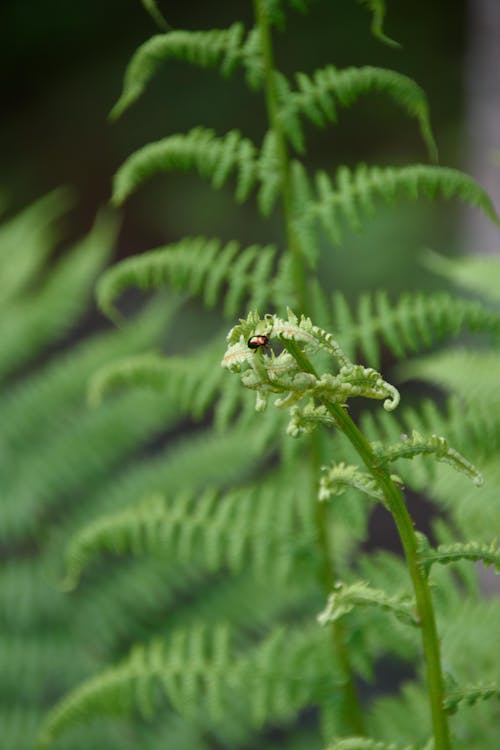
x,y
244,528
475,273
204,679
378,10
192,383
48,313
436,446
340,476
151,7
215,158
352,196
198,266
218,47
318,96
366,743
413,323
27,239
469,695
488,554
471,375
345,597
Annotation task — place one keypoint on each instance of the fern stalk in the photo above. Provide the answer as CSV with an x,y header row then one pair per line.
x,y
396,505
282,148
349,690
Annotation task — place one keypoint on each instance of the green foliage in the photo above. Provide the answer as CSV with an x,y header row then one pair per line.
x,y
203,267
202,567
318,96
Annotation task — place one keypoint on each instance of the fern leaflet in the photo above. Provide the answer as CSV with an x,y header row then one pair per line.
x,y
213,157
469,695
488,554
224,47
366,743
345,597
353,193
317,98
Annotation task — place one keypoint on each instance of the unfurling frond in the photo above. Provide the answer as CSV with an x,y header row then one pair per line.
x,y
215,158
340,476
218,47
488,554
365,743
352,195
203,267
377,9
414,322
286,374
360,594
469,695
419,445
191,382
318,96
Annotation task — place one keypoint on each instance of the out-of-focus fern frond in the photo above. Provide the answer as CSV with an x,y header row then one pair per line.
x,y
292,663
413,323
226,48
242,529
47,313
199,266
378,10
27,239
318,96
475,273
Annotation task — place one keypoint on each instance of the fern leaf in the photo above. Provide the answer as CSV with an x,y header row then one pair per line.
x,y
470,375
353,194
191,382
436,446
245,528
377,9
469,695
476,273
217,47
318,96
413,323
366,743
488,554
198,266
341,476
52,309
345,597
213,157
202,677
27,239
152,8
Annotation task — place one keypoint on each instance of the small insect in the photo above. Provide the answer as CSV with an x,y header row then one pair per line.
x,y
260,339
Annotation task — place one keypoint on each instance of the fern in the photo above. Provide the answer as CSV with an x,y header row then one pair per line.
x,y
317,98
378,10
488,554
213,157
345,598
201,565
413,323
353,193
470,695
202,267
224,48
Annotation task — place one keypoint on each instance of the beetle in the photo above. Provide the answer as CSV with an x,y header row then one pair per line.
x,y
258,340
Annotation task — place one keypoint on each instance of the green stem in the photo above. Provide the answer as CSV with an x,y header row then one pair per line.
x,y
404,524
350,696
